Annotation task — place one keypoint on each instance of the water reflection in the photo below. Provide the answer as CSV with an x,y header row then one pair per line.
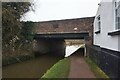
x,y
70,49
33,68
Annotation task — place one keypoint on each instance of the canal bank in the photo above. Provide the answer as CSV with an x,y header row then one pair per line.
x,y
75,66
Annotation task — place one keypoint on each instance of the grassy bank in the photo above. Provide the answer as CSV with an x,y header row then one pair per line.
x,y
59,70
95,69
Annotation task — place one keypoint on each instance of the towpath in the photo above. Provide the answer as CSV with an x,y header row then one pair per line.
x,y
79,68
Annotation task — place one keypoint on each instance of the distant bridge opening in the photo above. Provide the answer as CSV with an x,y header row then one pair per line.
x,y
73,45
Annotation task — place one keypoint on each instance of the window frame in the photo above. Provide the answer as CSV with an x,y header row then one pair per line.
x,y
98,24
117,18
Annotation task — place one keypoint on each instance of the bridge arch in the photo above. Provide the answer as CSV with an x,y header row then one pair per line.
x,y
55,42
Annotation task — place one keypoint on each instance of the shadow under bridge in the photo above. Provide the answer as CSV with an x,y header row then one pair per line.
x,y
54,43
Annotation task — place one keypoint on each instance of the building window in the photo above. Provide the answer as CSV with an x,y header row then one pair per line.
x,y
98,25
117,15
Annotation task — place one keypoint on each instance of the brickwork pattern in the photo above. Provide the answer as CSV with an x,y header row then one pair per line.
x,y
68,25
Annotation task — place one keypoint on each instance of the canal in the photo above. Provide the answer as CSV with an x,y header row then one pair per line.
x,y
35,68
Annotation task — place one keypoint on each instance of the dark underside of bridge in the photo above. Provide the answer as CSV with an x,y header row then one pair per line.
x,y
55,42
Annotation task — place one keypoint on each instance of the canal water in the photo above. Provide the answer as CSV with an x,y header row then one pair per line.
x,y
35,68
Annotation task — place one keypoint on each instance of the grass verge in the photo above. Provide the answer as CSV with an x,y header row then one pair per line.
x,y
95,69
59,70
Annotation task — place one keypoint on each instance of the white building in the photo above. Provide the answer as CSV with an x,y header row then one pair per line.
x,y
106,48
107,25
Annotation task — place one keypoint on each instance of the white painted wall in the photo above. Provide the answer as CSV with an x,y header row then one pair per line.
x,y
107,13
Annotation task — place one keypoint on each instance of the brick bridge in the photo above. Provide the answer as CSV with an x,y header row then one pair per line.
x,y
50,35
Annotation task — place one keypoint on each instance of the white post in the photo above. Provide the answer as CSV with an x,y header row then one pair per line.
x,y
85,52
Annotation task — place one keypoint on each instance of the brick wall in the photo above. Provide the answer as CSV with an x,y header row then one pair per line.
x,y
68,25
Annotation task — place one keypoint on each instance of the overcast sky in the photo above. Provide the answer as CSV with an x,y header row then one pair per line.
x,y
46,10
